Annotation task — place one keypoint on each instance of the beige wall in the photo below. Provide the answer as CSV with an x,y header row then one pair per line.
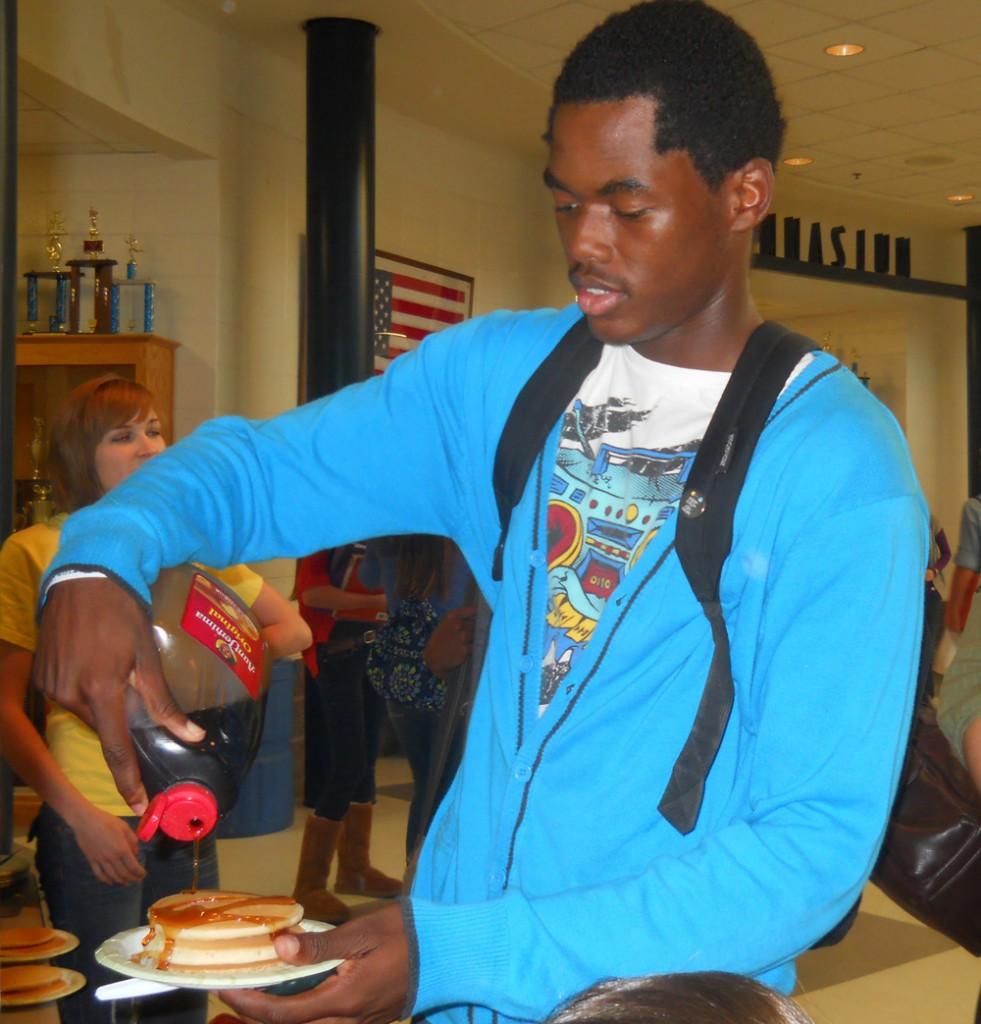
x,y
913,347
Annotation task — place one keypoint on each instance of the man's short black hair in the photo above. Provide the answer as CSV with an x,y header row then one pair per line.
x,y
714,93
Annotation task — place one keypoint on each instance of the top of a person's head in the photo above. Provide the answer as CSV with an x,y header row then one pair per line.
x,y
420,565
711,84
704,997
94,407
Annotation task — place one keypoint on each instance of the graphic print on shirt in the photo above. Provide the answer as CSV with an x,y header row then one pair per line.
x,y
607,502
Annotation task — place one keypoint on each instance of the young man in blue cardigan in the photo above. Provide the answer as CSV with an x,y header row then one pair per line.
x,y
549,864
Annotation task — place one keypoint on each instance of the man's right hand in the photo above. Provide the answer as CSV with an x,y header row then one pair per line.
x,y
94,641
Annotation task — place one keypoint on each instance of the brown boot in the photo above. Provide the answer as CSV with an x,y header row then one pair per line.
x,y
320,836
354,871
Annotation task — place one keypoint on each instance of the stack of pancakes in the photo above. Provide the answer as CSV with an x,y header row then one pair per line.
x,y
213,930
35,983
30,943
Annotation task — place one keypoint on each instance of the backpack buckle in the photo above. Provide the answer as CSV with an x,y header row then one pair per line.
x,y
693,504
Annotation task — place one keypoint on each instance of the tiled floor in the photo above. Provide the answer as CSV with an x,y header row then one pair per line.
x,y
888,970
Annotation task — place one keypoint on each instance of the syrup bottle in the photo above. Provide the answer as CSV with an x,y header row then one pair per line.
x,y
217,667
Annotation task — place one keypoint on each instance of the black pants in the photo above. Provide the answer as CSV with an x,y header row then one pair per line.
x,y
353,715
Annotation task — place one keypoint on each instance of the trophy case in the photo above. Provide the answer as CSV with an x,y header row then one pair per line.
x,y
49,366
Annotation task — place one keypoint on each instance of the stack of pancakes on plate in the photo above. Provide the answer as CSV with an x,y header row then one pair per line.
x,y
213,930
30,943
35,983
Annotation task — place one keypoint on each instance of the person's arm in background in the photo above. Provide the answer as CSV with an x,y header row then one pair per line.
x,y
959,709
943,551
451,642
107,841
332,599
282,626
968,561
972,750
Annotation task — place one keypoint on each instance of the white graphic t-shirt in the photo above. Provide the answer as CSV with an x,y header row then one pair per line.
x,y
628,441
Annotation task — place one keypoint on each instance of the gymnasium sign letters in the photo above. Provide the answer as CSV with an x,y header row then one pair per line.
x,y
846,249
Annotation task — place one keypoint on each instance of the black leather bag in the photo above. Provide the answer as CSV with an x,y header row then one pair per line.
x,y
930,862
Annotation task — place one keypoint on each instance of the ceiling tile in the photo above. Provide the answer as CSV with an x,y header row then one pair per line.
x,y
969,49
818,128
561,26
844,173
825,92
913,185
896,109
931,159
872,145
956,128
846,8
522,53
810,49
548,74
921,68
933,22
786,71
770,21
963,95
966,177
479,14
609,6
790,110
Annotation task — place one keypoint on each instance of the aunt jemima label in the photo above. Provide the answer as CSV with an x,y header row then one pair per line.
x,y
216,621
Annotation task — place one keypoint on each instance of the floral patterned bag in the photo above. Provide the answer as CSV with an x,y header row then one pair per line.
x,y
395,667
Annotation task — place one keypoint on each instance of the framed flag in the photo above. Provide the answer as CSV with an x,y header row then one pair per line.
x,y
411,300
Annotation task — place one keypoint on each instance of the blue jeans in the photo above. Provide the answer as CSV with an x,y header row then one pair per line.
x,y
93,911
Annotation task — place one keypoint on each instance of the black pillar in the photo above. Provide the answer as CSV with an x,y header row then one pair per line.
x,y
8,256
8,338
340,251
974,362
340,202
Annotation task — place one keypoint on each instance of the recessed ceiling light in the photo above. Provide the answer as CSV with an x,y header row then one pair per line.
x,y
960,197
844,49
798,161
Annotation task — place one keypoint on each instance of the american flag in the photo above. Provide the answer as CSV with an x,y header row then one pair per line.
x,y
412,301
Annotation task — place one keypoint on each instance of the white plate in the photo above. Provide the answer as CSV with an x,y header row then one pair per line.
x,y
115,954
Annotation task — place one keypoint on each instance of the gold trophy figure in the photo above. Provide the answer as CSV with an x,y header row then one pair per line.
x,y
92,246
41,505
56,231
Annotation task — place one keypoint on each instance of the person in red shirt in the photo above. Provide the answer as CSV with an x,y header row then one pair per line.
x,y
342,614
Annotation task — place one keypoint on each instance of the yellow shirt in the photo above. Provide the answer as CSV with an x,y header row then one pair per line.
x,y
24,558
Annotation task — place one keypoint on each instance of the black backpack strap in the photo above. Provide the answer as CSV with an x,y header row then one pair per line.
x,y
704,537
539,404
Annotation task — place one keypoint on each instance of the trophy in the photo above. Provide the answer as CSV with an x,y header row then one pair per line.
x,y
94,257
57,321
56,230
41,506
133,244
92,247
149,292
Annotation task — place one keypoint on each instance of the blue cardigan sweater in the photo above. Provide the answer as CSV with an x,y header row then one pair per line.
x,y
548,865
